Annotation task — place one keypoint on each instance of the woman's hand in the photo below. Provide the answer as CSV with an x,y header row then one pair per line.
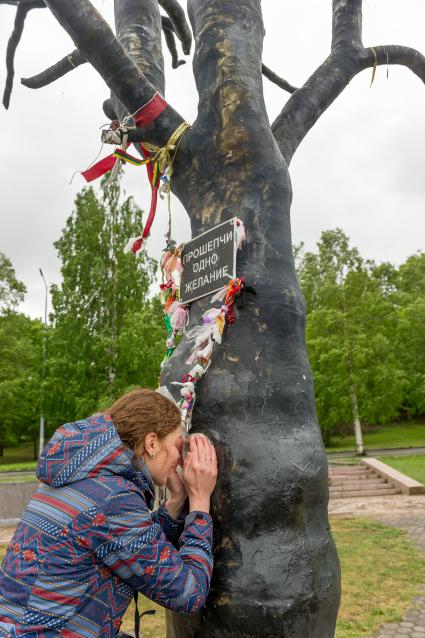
x,y
176,489
200,472
177,494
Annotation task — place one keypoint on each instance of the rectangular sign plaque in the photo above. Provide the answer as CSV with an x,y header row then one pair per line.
x,y
209,262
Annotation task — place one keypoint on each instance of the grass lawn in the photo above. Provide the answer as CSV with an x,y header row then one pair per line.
x,y
151,626
384,436
17,467
381,571
18,458
413,466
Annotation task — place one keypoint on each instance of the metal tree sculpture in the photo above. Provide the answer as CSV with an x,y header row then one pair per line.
x,y
276,569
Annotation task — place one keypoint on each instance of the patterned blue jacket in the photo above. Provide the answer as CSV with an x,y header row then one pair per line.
x,y
87,541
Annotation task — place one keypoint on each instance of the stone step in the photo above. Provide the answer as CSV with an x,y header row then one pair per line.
x,y
372,480
360,486
354,479
354,475
360,480
386,492
356,487
349,470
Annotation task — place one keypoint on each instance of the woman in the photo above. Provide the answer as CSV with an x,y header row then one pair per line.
x,y
88,541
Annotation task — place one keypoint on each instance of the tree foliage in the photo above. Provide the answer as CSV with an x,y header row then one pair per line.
x,y
106,334
351,332
365,327
20,360
12,290
410,342
20,355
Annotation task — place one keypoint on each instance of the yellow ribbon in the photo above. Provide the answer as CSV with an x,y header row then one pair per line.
x,y
164,155
375,64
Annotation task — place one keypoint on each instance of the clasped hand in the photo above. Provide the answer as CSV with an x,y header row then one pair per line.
x,y
198,478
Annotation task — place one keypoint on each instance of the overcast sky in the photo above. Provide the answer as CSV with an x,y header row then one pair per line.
x,y
362,167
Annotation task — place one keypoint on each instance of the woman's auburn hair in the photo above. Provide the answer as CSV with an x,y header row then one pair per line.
x,y
141,411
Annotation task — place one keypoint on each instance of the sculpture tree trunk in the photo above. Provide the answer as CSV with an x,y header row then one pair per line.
x,y
276,571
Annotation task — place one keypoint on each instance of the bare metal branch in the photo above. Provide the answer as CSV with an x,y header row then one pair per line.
x,y
178,18
30,4
348,57
108,109
280,82
98,45
138,29
168,29
347,23
23,6
398,55
61,68
18,27
306,105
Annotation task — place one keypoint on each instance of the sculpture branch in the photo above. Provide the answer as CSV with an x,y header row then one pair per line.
x,y
168,29
307,104
280,82
30,4
109,109
53,73
347,24
401,55
178,19
21,13
138,29
347,58
98,45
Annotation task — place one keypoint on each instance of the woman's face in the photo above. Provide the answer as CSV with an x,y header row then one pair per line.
x,y
163,455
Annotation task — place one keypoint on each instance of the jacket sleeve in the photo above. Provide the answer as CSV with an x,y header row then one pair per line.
x,y
124,537
172,527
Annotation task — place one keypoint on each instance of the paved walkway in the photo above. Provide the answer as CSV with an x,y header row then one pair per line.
x,y
399,451
404,512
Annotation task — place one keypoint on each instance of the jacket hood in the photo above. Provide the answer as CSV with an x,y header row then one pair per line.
x,y
87,449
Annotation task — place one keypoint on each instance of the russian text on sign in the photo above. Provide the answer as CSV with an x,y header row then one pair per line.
x,y
209,261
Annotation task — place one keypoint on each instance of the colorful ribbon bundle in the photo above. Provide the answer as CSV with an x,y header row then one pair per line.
x,y
159,164
147,114
158,161
176,314
204,336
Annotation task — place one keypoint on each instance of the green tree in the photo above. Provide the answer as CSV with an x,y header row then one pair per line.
x,y
20,356
104,330
12,290
350,337
20,368
410,341
141,346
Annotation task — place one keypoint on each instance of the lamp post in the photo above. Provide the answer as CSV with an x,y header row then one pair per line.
x,y
43,370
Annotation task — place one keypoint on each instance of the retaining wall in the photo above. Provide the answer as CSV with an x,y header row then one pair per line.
x,y
14,498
